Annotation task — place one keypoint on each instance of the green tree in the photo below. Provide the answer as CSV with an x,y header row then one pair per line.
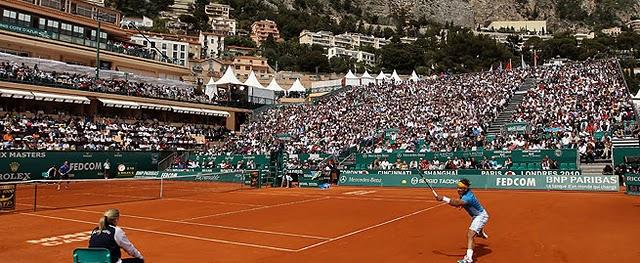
x,y
239,41
200,17
139,8
341,64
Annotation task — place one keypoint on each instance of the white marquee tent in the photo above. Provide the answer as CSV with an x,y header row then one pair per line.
x,y
366,78
381,78
273,85
414,77
297,87
257,92
351,80
395,77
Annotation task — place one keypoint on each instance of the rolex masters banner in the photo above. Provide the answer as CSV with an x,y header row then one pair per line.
x,y
544,180
25,165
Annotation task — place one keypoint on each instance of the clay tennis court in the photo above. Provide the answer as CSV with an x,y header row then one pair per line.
x,y
341,224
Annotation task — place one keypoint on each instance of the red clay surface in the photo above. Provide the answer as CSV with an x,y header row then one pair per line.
x,y
342,224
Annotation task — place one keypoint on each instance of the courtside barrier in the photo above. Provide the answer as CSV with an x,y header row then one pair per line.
x,y
544,180
250,177
25,165
633,184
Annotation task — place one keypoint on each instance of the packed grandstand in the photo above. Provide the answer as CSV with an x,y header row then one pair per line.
x,y
579,105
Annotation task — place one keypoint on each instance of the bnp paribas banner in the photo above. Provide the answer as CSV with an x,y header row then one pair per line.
x,y
633,184
544,180
26,165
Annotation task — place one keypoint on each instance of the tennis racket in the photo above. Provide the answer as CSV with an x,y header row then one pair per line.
x,y
427,182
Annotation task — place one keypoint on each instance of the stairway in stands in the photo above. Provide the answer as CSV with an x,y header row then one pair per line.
x,y
505,115
625,142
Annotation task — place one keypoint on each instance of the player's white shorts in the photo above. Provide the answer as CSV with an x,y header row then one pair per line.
x,y
479,221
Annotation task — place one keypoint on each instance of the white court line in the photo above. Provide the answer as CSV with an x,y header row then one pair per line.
x,y
171,234
338,196
208,225
368,228
212,202
256,208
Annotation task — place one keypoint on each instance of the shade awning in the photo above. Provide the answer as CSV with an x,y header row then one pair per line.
x,y
215,113
18,94
187,110
61,98
152,106
120,104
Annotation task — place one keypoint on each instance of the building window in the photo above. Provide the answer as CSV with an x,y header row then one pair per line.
x,y
9,16
84,11
78,31
164,45
182,48
153,44
65,28
24,18
238,67
182,56
57,4
52,25
42,24
109,18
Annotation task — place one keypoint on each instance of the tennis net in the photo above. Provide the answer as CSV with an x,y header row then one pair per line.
x,y
34,195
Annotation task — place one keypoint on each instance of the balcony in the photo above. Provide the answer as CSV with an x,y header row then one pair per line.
x,y
107,45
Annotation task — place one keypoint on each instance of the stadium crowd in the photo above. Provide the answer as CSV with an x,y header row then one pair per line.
x,y
63,132
24,73
450,113
578,106
130,49
571,105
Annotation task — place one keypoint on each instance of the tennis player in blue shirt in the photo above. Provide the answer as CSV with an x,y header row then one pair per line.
x,y
479,216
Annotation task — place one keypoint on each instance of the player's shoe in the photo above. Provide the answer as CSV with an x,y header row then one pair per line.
x,y
465,260
483,234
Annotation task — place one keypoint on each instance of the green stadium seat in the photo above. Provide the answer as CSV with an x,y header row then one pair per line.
x,y
573,166
598,135
91,255
534,166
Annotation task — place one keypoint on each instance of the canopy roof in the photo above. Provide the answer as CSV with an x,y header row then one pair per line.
x,y
381,76
395,76
350,75
211,81
253,81
229,77
273,85
414,76
297,86
366,75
